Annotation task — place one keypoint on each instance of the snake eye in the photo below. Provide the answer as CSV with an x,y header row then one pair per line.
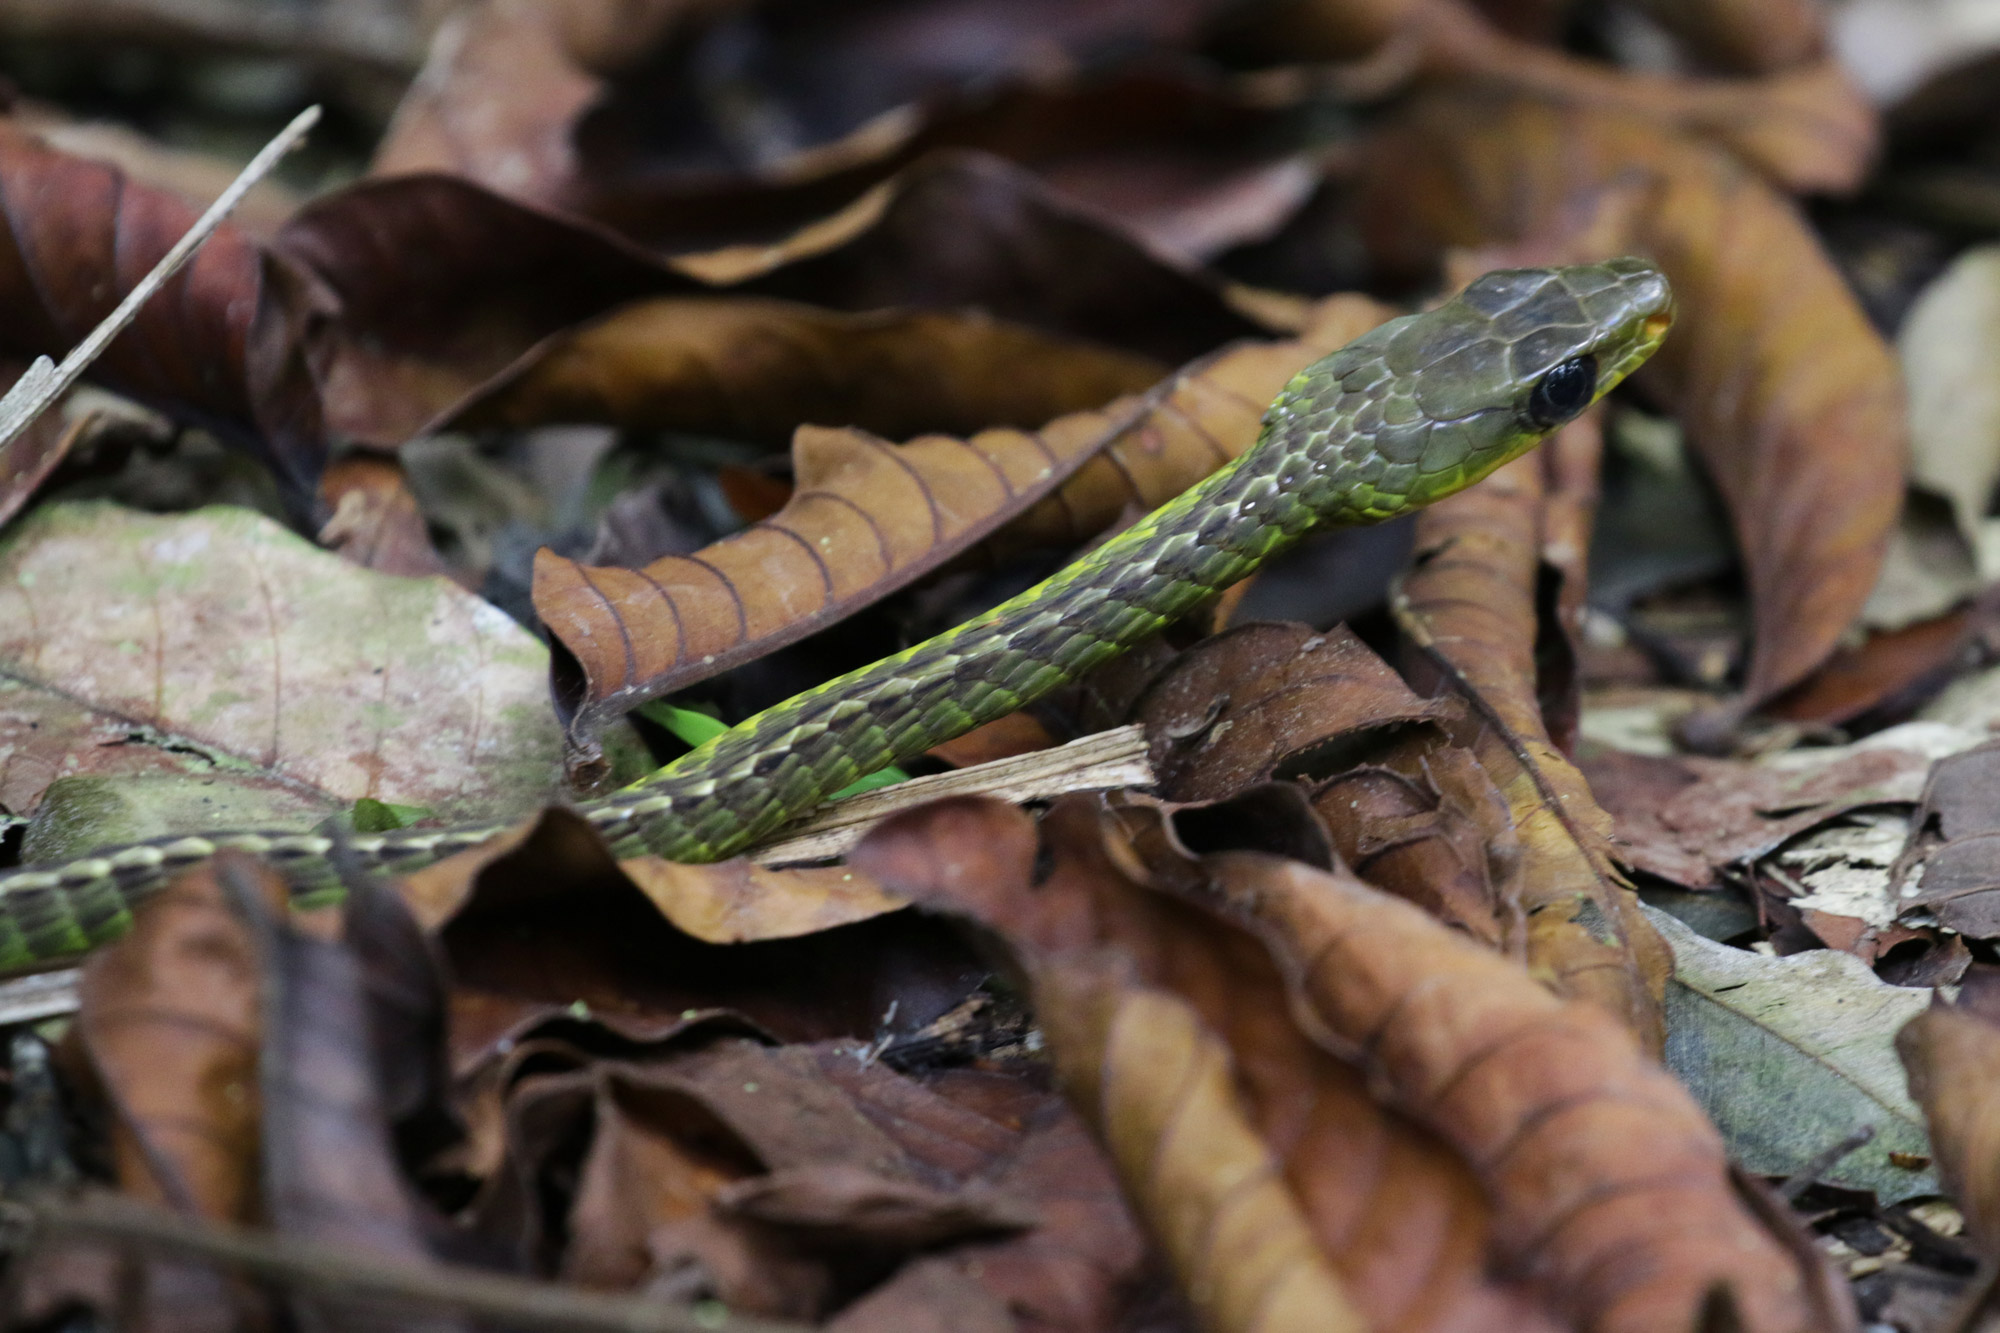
x,y
1563,392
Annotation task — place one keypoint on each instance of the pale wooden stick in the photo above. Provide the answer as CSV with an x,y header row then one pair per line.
x,y
1100,762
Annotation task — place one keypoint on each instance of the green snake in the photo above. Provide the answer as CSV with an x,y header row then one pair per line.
x,y
1409,413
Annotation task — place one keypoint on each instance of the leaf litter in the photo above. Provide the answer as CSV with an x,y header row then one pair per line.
x,y
1334,1011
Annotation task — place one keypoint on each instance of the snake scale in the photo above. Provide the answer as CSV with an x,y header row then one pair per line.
x,y
1413,411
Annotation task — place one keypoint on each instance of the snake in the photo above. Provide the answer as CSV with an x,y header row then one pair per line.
x,y
1413,411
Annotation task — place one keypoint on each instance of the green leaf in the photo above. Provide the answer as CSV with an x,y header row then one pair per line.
x,y
373,816
693,727
688,725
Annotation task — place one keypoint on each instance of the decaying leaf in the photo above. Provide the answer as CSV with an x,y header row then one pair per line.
x,y
197,644
1470,605
1685,818
1423,1011
1952,1054
1267,700
752,369
867,517
188,1116
1792,400
1951,870
1790,1056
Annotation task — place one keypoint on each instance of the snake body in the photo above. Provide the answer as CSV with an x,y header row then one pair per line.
x,y
1415,410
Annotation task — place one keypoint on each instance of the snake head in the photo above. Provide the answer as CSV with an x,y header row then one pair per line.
x,y
1428,404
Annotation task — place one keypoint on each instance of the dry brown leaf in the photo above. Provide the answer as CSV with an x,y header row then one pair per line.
x,y
1687,817
1159,1086
1622,1238
1952,1054
374,519
537,101
171,1023
728,902
1809,128
542,919
1140,987
1470,605
1792,399
1545,1101
500,92
1806,125
751,368
868,517
1425,822
1267,700
952,231
29,459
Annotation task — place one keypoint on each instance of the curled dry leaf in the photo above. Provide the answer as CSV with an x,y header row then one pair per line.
x,y
222,342
1791,398
1685,818
1808,128
1425,822
167,1042
1470,605
959,229
1613,1238
1263,701
497,278
752,369
868,517
1630,1239
1158,1084
727,902
1394,1218
1952,1054
1806,125
503,85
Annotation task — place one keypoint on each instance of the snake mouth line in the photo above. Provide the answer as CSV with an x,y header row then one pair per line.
x,y
1656,326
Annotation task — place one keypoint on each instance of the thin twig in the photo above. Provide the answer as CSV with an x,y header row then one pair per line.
x,y
332,1270
45,382
1099,762
43,995
1808,1175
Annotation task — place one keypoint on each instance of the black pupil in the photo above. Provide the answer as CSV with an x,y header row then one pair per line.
x,y
1563,392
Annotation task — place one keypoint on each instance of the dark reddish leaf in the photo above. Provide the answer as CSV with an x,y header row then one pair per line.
x,y
222,343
